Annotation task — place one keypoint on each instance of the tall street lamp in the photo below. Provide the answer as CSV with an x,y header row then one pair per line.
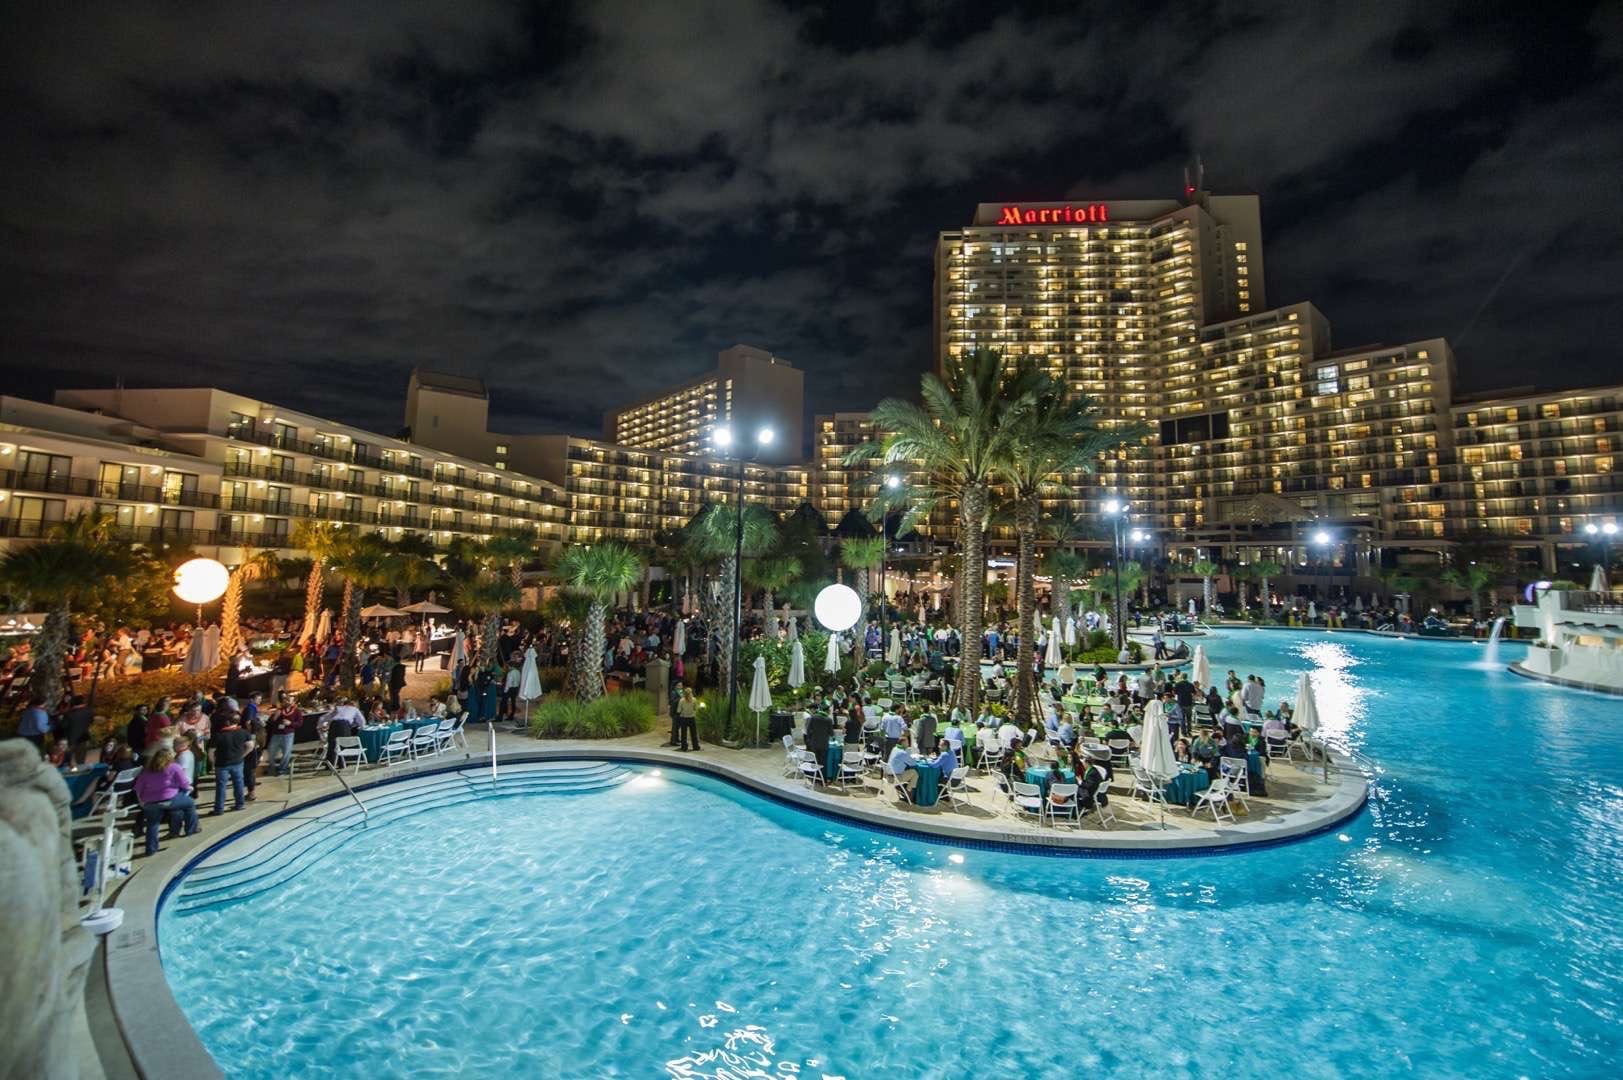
x,y
1116,510
892,482
722,441
1605,532
1135,538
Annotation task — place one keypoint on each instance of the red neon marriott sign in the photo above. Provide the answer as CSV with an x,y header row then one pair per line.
x,y
1054,215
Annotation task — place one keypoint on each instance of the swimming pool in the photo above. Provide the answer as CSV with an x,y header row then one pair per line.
x,y
642,924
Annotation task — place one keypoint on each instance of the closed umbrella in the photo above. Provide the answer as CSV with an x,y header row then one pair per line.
x,y
797,667
894,656
794,627
760,695
211,647
1191,607
529,683
1155,744
1358,603
459,652
1200,667
1597,580
679,646
196,654
1052,657
1312,611
831,662
1070,632
324,626
1306,715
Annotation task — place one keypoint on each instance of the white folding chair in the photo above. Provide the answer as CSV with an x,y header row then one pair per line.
x,y
810,769
991,756
397,748
889,777
791,757
425,741
1145,783
955,785
445,736
1215,799
1066,806
1101,806
349,749
1120,751
1238,773
1028,799
459,722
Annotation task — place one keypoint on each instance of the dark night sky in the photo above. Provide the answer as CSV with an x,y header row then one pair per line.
x,y
302,201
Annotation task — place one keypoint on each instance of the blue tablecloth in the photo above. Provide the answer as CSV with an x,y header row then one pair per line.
x,y
1043,775
80,782
929,786
373,738
832,761
1185,786
1253,765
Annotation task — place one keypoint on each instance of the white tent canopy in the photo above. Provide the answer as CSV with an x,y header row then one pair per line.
x,y
1306,714
797,667
1155,744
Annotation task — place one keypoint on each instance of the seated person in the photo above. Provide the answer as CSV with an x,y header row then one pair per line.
x,y
1181,753
954,736
1117,732
1275,729
1067,734
1014,762
904,766
1204,749
947,762
1008,734
1093,781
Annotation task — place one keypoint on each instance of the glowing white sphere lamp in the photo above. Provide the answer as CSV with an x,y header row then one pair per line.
x,y
201,581
838,607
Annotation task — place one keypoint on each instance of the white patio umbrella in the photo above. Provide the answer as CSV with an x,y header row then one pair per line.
x,y
380,611
1200,669
760,694
529,682
425,607
797,667
1312,611
794,627
1070,631
1192,607
1155,744
324,626
1597,580
1052,657
831,662
196,654
211,647
1358,603
679,643
459,651
893,656
1306,715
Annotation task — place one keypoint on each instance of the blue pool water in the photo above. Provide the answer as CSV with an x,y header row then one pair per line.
x,y
1467,924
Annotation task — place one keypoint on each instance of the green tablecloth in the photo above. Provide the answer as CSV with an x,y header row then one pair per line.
x,y
80,781
1043,775
1185,786
929,786
832,761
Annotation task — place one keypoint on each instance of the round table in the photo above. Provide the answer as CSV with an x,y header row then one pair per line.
x,y
1043,775
80,781
928,789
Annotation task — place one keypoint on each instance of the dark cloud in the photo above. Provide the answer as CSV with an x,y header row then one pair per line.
x,y
579,201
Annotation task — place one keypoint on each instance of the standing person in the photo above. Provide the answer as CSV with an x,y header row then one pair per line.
x,y
509,706
135,732
397,680
163,786
35,723
419,648
253,722
687,719
76,728
281,672
228,746
284,728
892,727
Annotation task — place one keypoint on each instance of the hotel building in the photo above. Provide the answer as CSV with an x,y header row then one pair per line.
x,y
749,388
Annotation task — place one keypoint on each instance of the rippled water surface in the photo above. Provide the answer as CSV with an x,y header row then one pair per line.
x,y
1466,925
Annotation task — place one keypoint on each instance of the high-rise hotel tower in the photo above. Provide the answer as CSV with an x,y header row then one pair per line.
x,y
1157,309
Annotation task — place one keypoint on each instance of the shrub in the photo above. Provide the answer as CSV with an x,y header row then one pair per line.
x,y
116,699
612,716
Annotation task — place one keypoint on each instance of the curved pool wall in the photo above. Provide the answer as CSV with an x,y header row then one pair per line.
x,y
1462,927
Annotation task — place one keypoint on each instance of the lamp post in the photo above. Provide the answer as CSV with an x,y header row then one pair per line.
x,y
1116,510
1605,531
893,482
1135,538
722,440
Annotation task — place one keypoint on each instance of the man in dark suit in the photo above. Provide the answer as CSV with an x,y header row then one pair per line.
x,y
819,729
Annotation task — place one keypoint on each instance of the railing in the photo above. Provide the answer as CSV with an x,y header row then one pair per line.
x,y
335,771
95,488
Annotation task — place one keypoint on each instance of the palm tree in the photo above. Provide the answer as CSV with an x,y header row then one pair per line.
x,y
1474,578
320,539
231,636
860,555
487,594
1242,575
1265,570
509,550
1208,592
715,537
570,608
953,445
362,560
1063,568
1059,435
598,572
408,570
771,574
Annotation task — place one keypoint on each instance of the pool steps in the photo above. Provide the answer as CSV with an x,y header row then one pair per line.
x,y
276,859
